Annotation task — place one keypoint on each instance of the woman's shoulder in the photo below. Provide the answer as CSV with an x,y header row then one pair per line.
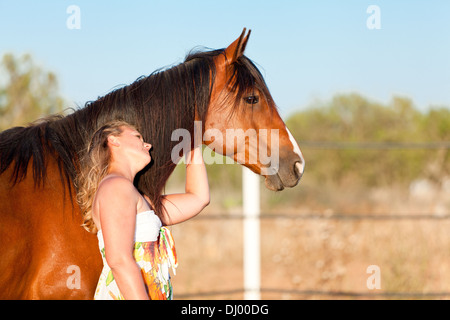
x,y
115,184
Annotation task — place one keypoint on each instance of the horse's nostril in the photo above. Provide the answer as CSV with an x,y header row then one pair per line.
x,y
299,167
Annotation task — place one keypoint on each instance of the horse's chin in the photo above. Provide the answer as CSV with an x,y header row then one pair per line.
x,y
273,182
277,182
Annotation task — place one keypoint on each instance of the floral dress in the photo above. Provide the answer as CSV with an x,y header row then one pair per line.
x,y
154,252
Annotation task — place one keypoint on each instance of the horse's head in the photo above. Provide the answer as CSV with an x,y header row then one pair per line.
x,y
242,121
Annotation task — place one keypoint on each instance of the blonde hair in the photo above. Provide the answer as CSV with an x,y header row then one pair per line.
x,y
94,166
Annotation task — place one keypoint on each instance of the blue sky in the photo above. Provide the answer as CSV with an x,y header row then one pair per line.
x,y
307,50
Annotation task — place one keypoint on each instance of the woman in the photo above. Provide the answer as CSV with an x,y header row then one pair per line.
x,y
137,250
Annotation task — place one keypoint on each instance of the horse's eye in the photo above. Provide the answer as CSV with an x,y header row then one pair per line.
x,y
251,99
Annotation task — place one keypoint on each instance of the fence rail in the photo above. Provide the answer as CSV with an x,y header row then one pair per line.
x,y
340,294
374,145
312,216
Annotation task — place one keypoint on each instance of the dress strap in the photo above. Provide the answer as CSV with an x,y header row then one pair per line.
x,y
167,248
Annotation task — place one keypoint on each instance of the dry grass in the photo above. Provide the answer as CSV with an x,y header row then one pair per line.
x,y
316,255
320,258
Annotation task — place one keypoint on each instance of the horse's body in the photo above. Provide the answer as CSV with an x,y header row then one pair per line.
x,y
44,252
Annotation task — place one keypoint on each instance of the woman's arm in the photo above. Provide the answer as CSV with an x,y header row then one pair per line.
x,y
181,207
117,201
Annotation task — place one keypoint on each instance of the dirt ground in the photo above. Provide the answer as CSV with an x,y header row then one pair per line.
x,y
311,251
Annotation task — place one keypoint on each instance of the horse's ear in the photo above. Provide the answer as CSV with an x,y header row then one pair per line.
x,y
236,49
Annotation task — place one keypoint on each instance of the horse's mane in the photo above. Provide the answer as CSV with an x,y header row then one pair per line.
x,y
157,105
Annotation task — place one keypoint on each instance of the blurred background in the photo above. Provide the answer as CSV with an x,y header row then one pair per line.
x,y
365,91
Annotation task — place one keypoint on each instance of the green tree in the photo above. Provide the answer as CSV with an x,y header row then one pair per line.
x,y
27,92
361,138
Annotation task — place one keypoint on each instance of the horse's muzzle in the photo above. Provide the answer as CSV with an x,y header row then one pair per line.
x,y
288,175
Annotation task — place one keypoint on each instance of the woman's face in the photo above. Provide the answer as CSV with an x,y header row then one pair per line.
x,y
133,144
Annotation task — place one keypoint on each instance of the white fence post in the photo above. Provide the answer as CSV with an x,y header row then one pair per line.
x,y
252,256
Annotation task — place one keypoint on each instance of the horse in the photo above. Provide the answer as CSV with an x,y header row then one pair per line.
x,y
46,254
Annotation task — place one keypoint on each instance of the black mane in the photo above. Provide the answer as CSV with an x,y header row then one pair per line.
x,y
157,105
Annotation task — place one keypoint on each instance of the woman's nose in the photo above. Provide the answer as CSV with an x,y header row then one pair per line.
x,y
147,146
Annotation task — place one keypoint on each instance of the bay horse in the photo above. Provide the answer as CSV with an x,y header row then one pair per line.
x,y
45,253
